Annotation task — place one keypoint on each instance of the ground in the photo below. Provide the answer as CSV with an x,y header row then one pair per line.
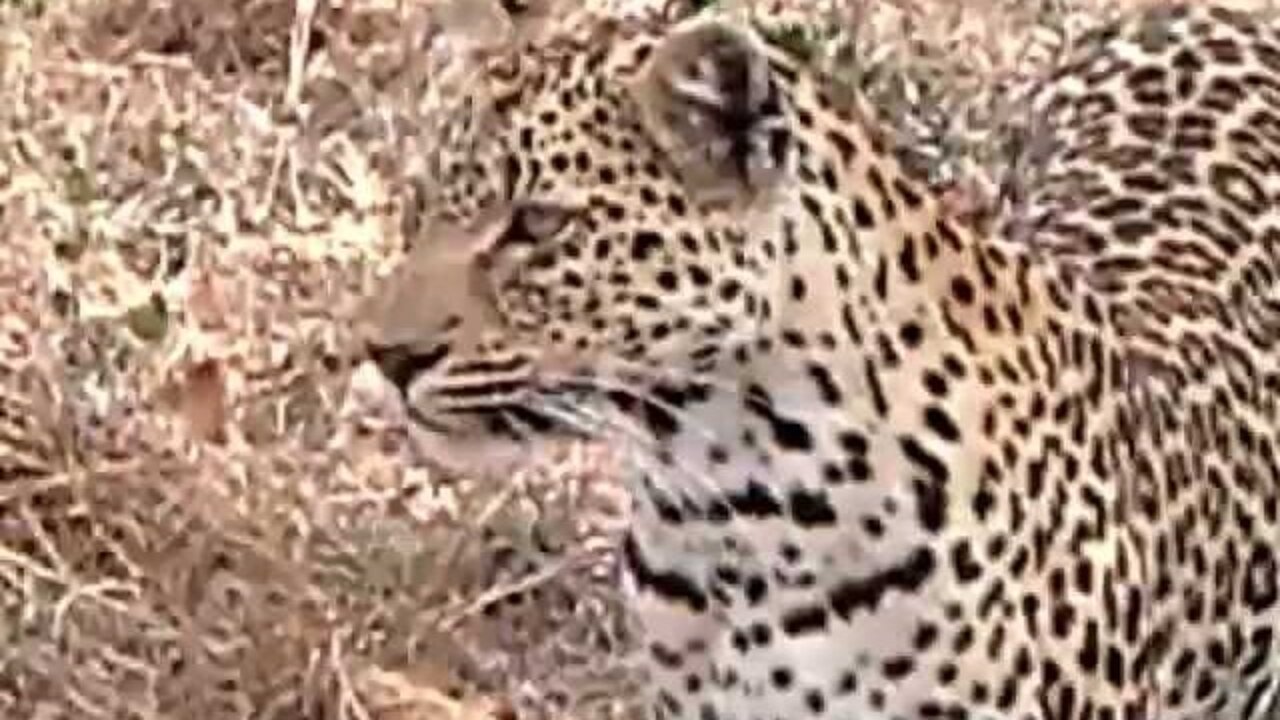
x,y
193,195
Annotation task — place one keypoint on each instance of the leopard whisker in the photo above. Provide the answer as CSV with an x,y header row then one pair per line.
x,y
605,386
728,386
636,440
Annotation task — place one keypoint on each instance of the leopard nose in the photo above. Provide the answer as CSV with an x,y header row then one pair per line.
x,y
401,364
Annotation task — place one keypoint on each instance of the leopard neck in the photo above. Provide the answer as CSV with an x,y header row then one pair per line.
x,y
873,419
874,264
896,331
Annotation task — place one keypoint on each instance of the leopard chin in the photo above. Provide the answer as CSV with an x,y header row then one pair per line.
x,y
494,439
492,442
472,453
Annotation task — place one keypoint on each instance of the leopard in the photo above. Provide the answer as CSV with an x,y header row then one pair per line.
x,y
882,464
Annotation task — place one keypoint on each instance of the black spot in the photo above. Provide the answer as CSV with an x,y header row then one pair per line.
x,y
815,702
794,338
645,301
526,138
755,500
804,620
862,215
1261,579
718,454
790,552
798,288
761,634
719,512
935,383
1115,666
827,386
898,667
660,421
853,442
877,389
865,593
929,710
877,699
911,334
843,145
850,324
787,433
858,469
926,635
1090,652
962,561
941,423
729,290
665,657
671,585
962,290
668,511
828,176
603,247
873,526
1260,641
669,703
880,281
910,197
644,244
931,489
813,206
811,508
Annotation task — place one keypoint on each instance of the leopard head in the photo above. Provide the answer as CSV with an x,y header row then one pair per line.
x,y
601,215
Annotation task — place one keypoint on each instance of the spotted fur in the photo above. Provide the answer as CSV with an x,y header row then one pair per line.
x,y
886,468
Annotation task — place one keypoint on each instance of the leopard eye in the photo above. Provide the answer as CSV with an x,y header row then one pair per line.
x,y
539,222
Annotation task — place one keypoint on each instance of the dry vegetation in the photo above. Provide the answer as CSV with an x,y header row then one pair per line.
x,y
193,194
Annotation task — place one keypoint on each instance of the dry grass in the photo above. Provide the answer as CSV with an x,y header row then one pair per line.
x,y
193,193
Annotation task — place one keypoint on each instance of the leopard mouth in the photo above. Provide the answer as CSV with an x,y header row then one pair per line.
x,y
470,417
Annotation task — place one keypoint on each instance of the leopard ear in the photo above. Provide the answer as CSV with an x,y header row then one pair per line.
x,y
710,99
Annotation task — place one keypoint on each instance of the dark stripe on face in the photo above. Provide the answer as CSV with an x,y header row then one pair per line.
x,y
401,365
500,366
480,391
